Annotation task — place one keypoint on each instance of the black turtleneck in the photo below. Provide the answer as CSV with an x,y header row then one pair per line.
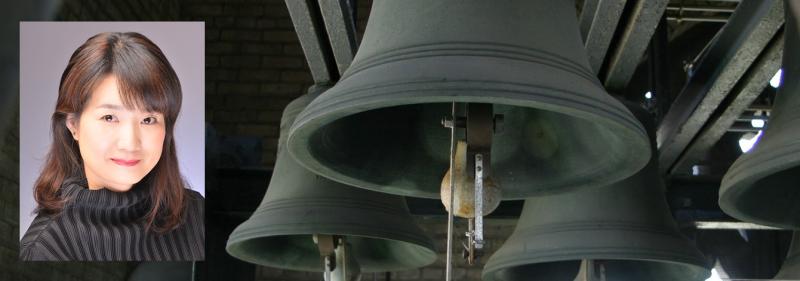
x,y
102,225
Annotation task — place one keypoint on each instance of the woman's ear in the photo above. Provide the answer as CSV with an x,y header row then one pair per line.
x,y
72,125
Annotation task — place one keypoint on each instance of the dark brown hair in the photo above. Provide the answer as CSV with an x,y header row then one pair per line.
x,y
146,81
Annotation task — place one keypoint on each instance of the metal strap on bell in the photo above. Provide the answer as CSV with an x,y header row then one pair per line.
x,y
763,185
624,231
379,127
791,266
377,228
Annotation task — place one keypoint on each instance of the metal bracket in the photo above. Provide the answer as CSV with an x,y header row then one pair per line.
x,y
326,244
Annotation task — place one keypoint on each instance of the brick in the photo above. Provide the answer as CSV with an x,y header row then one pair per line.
x,y
240,61
246,23
257,130
282,62
285,24
204,9
267,272
432,273
235,116
212,61
281,89
262,48
244,10
220,47
240,35
225,21
279,36
265,23
413,274
293,49
217,74
296,76
230,88
212,34
269,116
276,11
259,75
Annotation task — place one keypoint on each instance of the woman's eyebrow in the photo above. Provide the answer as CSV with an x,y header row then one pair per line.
x,y
110,106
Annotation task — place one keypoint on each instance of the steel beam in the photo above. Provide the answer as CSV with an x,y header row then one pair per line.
x,y
622,62
588,11
749,88
341,31
309,28
749,30
603,24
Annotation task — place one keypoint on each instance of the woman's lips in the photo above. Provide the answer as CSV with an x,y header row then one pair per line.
x,y
124,162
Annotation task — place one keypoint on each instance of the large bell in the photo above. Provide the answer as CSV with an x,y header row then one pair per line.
x,y
763,186
299,204
624,230
791,266
380,127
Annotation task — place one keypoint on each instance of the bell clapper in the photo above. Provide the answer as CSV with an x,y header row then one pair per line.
x,y
591,270
326,246
339,264
468,185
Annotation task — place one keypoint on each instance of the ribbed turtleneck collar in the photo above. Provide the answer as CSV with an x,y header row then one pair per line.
x,y
122,206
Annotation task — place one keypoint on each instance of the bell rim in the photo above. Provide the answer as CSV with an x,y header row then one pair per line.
x,y
676,249
425,246
735,181
614,116
488,273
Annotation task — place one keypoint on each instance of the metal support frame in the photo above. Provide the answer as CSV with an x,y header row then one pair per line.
x,y
341,29
313,40
642,23
749,88
602,21
747,33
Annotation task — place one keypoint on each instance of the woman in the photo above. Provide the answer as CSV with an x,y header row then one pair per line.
x,y
110,188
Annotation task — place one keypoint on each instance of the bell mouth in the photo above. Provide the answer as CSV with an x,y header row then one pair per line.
x,y
617,270
763,196
299,252
397,145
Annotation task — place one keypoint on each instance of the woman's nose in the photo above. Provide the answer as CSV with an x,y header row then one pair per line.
x,y
128,137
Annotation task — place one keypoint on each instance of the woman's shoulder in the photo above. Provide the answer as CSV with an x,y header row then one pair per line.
x,y
195,203
32,246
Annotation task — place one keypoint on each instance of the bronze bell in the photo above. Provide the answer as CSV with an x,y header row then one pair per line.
x,y
622,230
791,266
555,127
298,205
763,185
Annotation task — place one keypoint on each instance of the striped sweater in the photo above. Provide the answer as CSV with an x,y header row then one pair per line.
x,y
102,225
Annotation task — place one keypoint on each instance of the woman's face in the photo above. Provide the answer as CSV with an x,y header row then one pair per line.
x,y
119,145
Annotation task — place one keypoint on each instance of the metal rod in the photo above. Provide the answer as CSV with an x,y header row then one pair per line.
x,y
701,9
478,201
449,265
698,19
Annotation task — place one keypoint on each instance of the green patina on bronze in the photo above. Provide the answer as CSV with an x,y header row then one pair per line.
x,y
380,126
625,226
299,204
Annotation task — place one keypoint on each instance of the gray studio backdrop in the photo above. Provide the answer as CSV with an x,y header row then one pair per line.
x,y
45,48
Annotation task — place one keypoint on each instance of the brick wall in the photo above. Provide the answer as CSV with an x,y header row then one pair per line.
x,y
254,67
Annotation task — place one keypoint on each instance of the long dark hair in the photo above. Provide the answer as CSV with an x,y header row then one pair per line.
x,y
146,81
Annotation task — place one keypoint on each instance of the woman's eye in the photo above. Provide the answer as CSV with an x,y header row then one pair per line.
x,y
149,120
108,118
